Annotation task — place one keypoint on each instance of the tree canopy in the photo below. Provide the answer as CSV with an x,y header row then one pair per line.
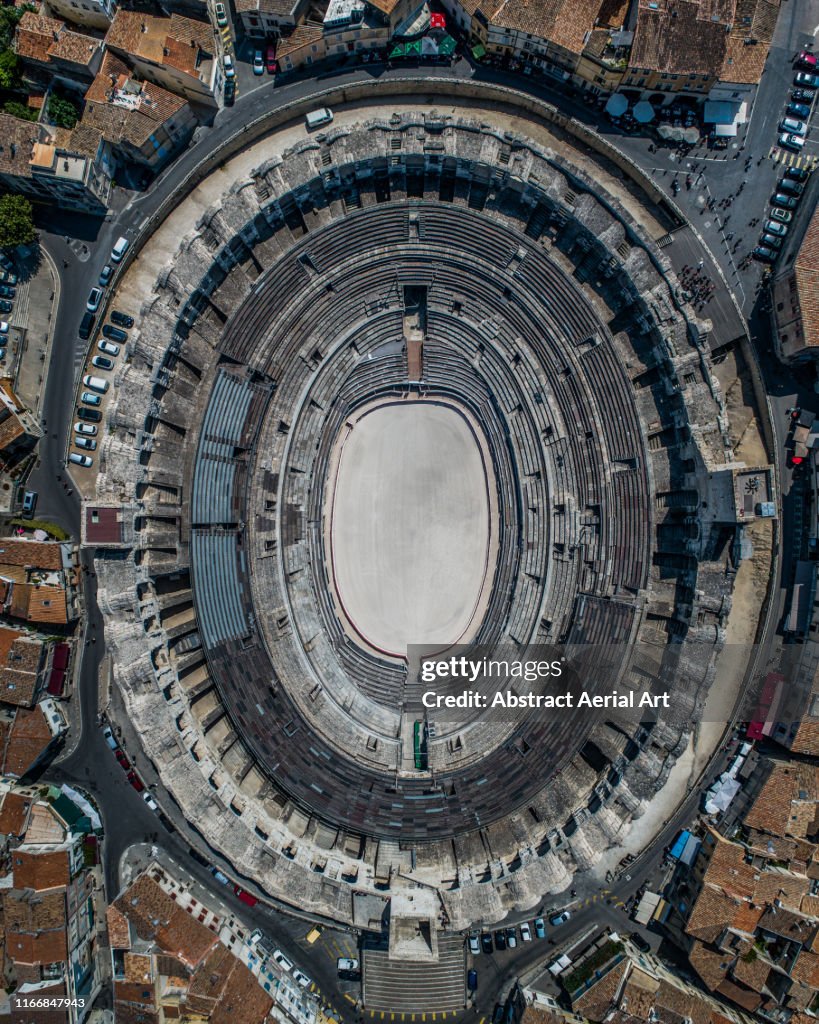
x,y
16,222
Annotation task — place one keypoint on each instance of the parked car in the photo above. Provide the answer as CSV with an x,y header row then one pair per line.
x,y
108,736
486,942
526,932
7,277
98,384
791,141
558,919
122,757
806,59
500,940
90,398
270,60
5,306
245,897
641,944
771,241
474,944
791,124
85,442
4,327
797,173
258,63
800,110
194,854
149,800
540,928
302,978
347,963
802,96
472,980
29,503
786,202
105,275
94,415
783,216
230,92
775,229
108,346
220,876
102,363
763,253
806,80
121,319
94,299
135,781
85,428
230,70
221,15
282,961
795,188
7,292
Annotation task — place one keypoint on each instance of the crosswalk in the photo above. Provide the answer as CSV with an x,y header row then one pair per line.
x,y
788,159
413,1018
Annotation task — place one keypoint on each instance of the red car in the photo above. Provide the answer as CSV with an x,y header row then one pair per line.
x,y
135,781
806,59
270,60
123,760
245,897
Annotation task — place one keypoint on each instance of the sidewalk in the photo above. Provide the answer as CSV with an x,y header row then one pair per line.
x,y
32,327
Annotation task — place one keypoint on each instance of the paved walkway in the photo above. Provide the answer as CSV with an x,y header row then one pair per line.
x,y
32,327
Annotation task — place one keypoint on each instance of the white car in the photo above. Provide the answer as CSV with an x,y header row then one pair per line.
x,y
230,70
221,15
526,932
94,299
302,978
258,63
85,428
773,228
282,961
80,460
791,141
474,944
85,442
108,347
791,124
4,327
149,800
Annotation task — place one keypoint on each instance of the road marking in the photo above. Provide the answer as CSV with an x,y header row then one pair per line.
x,y
349,997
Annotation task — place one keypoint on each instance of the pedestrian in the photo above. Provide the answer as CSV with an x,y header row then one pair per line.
x,y
701,262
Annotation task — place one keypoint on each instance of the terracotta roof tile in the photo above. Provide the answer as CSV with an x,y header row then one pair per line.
x,y
119,932
40,871
681,36
31,553
594,1002
743,997
36,602
708,965
14,814
749,40
302,35
752,971
26,740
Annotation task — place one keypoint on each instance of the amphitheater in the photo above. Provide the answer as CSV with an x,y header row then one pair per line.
x,y
419,299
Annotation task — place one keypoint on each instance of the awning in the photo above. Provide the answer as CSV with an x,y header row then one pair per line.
x,y
643,112
446,46
413,48
398,51
479,51
672,132
429,47
725,130
691,135
616,105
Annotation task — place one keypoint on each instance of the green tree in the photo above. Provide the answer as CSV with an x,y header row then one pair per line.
x,y
17,109
9,68
62,111
16,223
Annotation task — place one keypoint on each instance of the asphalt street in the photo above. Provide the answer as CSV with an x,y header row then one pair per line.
x,y
81,246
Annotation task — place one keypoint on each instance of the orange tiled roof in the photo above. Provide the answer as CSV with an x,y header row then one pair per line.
x,y
40,871
682,36
36,602
26,740
14,814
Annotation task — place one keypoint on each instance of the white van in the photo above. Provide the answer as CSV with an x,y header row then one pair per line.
x,y
95,383
120,248
318,117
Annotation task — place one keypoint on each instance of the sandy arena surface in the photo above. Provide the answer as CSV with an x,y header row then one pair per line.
x,y
410,525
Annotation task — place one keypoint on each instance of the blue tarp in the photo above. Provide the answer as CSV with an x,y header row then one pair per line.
x,y
679,844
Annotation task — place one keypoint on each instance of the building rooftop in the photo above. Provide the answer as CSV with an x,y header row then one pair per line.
x,y
302,35
26,740
40,871
21,656
682,37
175,41
14,812
566,23
43,39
